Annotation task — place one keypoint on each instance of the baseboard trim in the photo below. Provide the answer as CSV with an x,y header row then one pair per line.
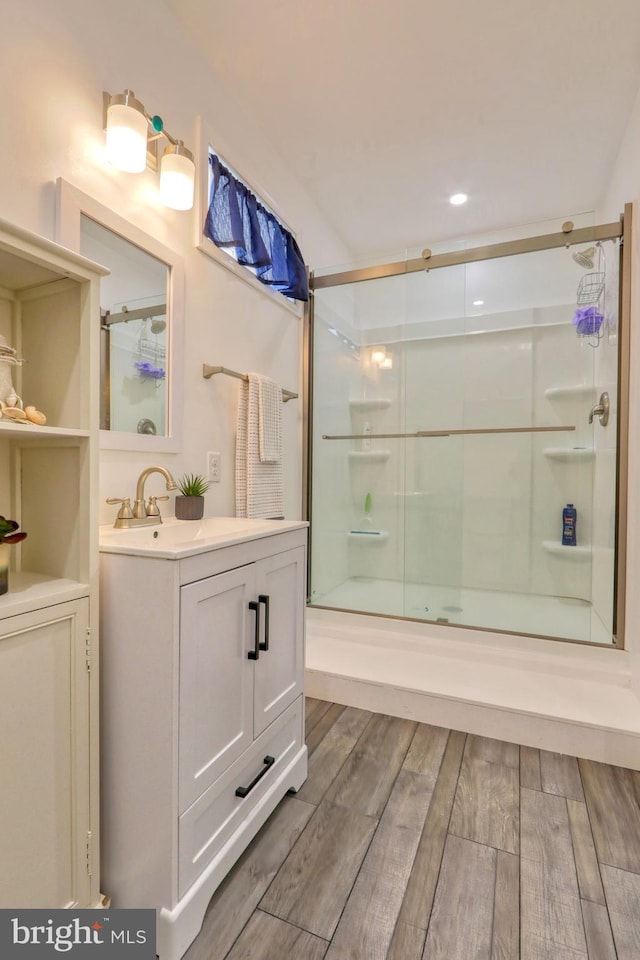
x,y
503,723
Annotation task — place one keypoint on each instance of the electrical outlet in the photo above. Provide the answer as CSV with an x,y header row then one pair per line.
x,y
214,467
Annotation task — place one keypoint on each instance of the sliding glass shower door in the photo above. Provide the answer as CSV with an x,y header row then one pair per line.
x,y
463,465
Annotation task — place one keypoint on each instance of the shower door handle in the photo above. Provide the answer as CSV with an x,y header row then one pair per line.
x,y
601,410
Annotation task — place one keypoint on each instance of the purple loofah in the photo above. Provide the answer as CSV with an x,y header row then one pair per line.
x,y
148,370
587,321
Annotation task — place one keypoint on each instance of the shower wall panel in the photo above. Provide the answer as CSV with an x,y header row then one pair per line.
x,y
481,507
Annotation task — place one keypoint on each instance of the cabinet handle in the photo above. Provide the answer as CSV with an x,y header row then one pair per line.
x,y
264,598
255,653
243,791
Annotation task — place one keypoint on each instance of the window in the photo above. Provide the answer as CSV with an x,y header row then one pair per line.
x,y
241,224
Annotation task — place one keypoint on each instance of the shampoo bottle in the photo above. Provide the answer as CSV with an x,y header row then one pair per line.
x,y
365,524
569,518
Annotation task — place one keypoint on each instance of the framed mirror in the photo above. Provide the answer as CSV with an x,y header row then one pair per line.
x,y
141,316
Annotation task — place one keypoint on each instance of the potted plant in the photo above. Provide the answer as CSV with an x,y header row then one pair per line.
x,y
190,501
8,536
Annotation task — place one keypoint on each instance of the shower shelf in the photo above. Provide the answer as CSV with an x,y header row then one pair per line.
x,y
367,406
568,454
369,456
576,392
571,553
375,538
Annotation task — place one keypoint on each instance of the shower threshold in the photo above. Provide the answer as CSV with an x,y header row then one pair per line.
x,y
566,618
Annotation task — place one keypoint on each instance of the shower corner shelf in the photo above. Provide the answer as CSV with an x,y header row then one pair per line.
x,y
368,406
570,454
576,391
369,456
571,553
374,538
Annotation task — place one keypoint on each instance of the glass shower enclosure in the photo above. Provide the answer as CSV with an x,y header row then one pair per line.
x,y
467,422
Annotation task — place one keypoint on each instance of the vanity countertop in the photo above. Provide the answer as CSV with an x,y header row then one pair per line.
x,y
174,539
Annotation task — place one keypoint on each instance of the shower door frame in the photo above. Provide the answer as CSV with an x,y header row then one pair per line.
x,y
569,236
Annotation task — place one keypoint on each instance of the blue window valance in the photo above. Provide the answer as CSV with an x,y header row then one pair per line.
x,y
238,222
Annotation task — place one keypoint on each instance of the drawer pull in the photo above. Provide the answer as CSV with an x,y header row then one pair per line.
x,y
243,791
255,653
264,598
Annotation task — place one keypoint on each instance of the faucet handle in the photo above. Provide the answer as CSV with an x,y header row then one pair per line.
x,y
125,512
152,506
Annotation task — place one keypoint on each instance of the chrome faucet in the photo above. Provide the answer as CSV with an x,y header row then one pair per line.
x,y
142,513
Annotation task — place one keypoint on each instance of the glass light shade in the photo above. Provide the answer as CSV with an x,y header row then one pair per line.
x,y
127,128
378,354
387,363
177,177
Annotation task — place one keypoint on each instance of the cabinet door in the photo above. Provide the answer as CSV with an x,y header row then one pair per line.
x,y
216,678
44,762
279,671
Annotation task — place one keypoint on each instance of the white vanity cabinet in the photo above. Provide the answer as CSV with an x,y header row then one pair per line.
x,y
202,712
49,838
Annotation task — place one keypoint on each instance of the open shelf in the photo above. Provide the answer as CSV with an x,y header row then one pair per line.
x,y
368,406
14,429
570,454
372,538
569,553
369,456
576,391
33,591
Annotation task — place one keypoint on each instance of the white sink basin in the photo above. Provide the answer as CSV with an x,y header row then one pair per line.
x,y
181,538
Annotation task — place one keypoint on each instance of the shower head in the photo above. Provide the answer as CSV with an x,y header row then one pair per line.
x,y
584,257
157,325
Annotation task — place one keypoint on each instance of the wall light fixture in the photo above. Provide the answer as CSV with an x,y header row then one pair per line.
x,y
382,357
132,141
378,354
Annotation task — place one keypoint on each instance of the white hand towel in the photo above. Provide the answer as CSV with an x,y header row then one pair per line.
x,y
269,418
259,486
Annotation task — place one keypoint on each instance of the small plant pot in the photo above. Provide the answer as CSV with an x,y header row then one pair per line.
x,y
4,567
189,508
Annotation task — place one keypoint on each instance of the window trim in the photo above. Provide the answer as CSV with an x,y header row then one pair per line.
x,y
205,140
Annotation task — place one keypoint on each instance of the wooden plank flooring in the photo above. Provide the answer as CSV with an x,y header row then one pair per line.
x,y
410,842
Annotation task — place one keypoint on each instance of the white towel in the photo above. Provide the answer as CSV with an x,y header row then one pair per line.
x,y
259,486
269,418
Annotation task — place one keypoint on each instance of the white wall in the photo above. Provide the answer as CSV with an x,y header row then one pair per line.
x,y
57,58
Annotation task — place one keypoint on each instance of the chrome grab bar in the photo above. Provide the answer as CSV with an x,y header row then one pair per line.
x,y
444,433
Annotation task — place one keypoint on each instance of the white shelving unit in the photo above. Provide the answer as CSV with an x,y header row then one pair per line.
x,y
49,846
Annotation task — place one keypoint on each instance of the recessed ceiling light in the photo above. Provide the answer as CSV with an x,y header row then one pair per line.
x,y
478,303
458,198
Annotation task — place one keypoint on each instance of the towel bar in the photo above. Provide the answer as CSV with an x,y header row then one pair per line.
x,y
209,371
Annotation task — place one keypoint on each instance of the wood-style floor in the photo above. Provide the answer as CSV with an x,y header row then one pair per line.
x,y
409,841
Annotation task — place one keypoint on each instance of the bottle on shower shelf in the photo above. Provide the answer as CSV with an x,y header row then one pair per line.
x,y
569,519
365,523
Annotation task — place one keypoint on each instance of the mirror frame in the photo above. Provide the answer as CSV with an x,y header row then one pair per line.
x,y
71,204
